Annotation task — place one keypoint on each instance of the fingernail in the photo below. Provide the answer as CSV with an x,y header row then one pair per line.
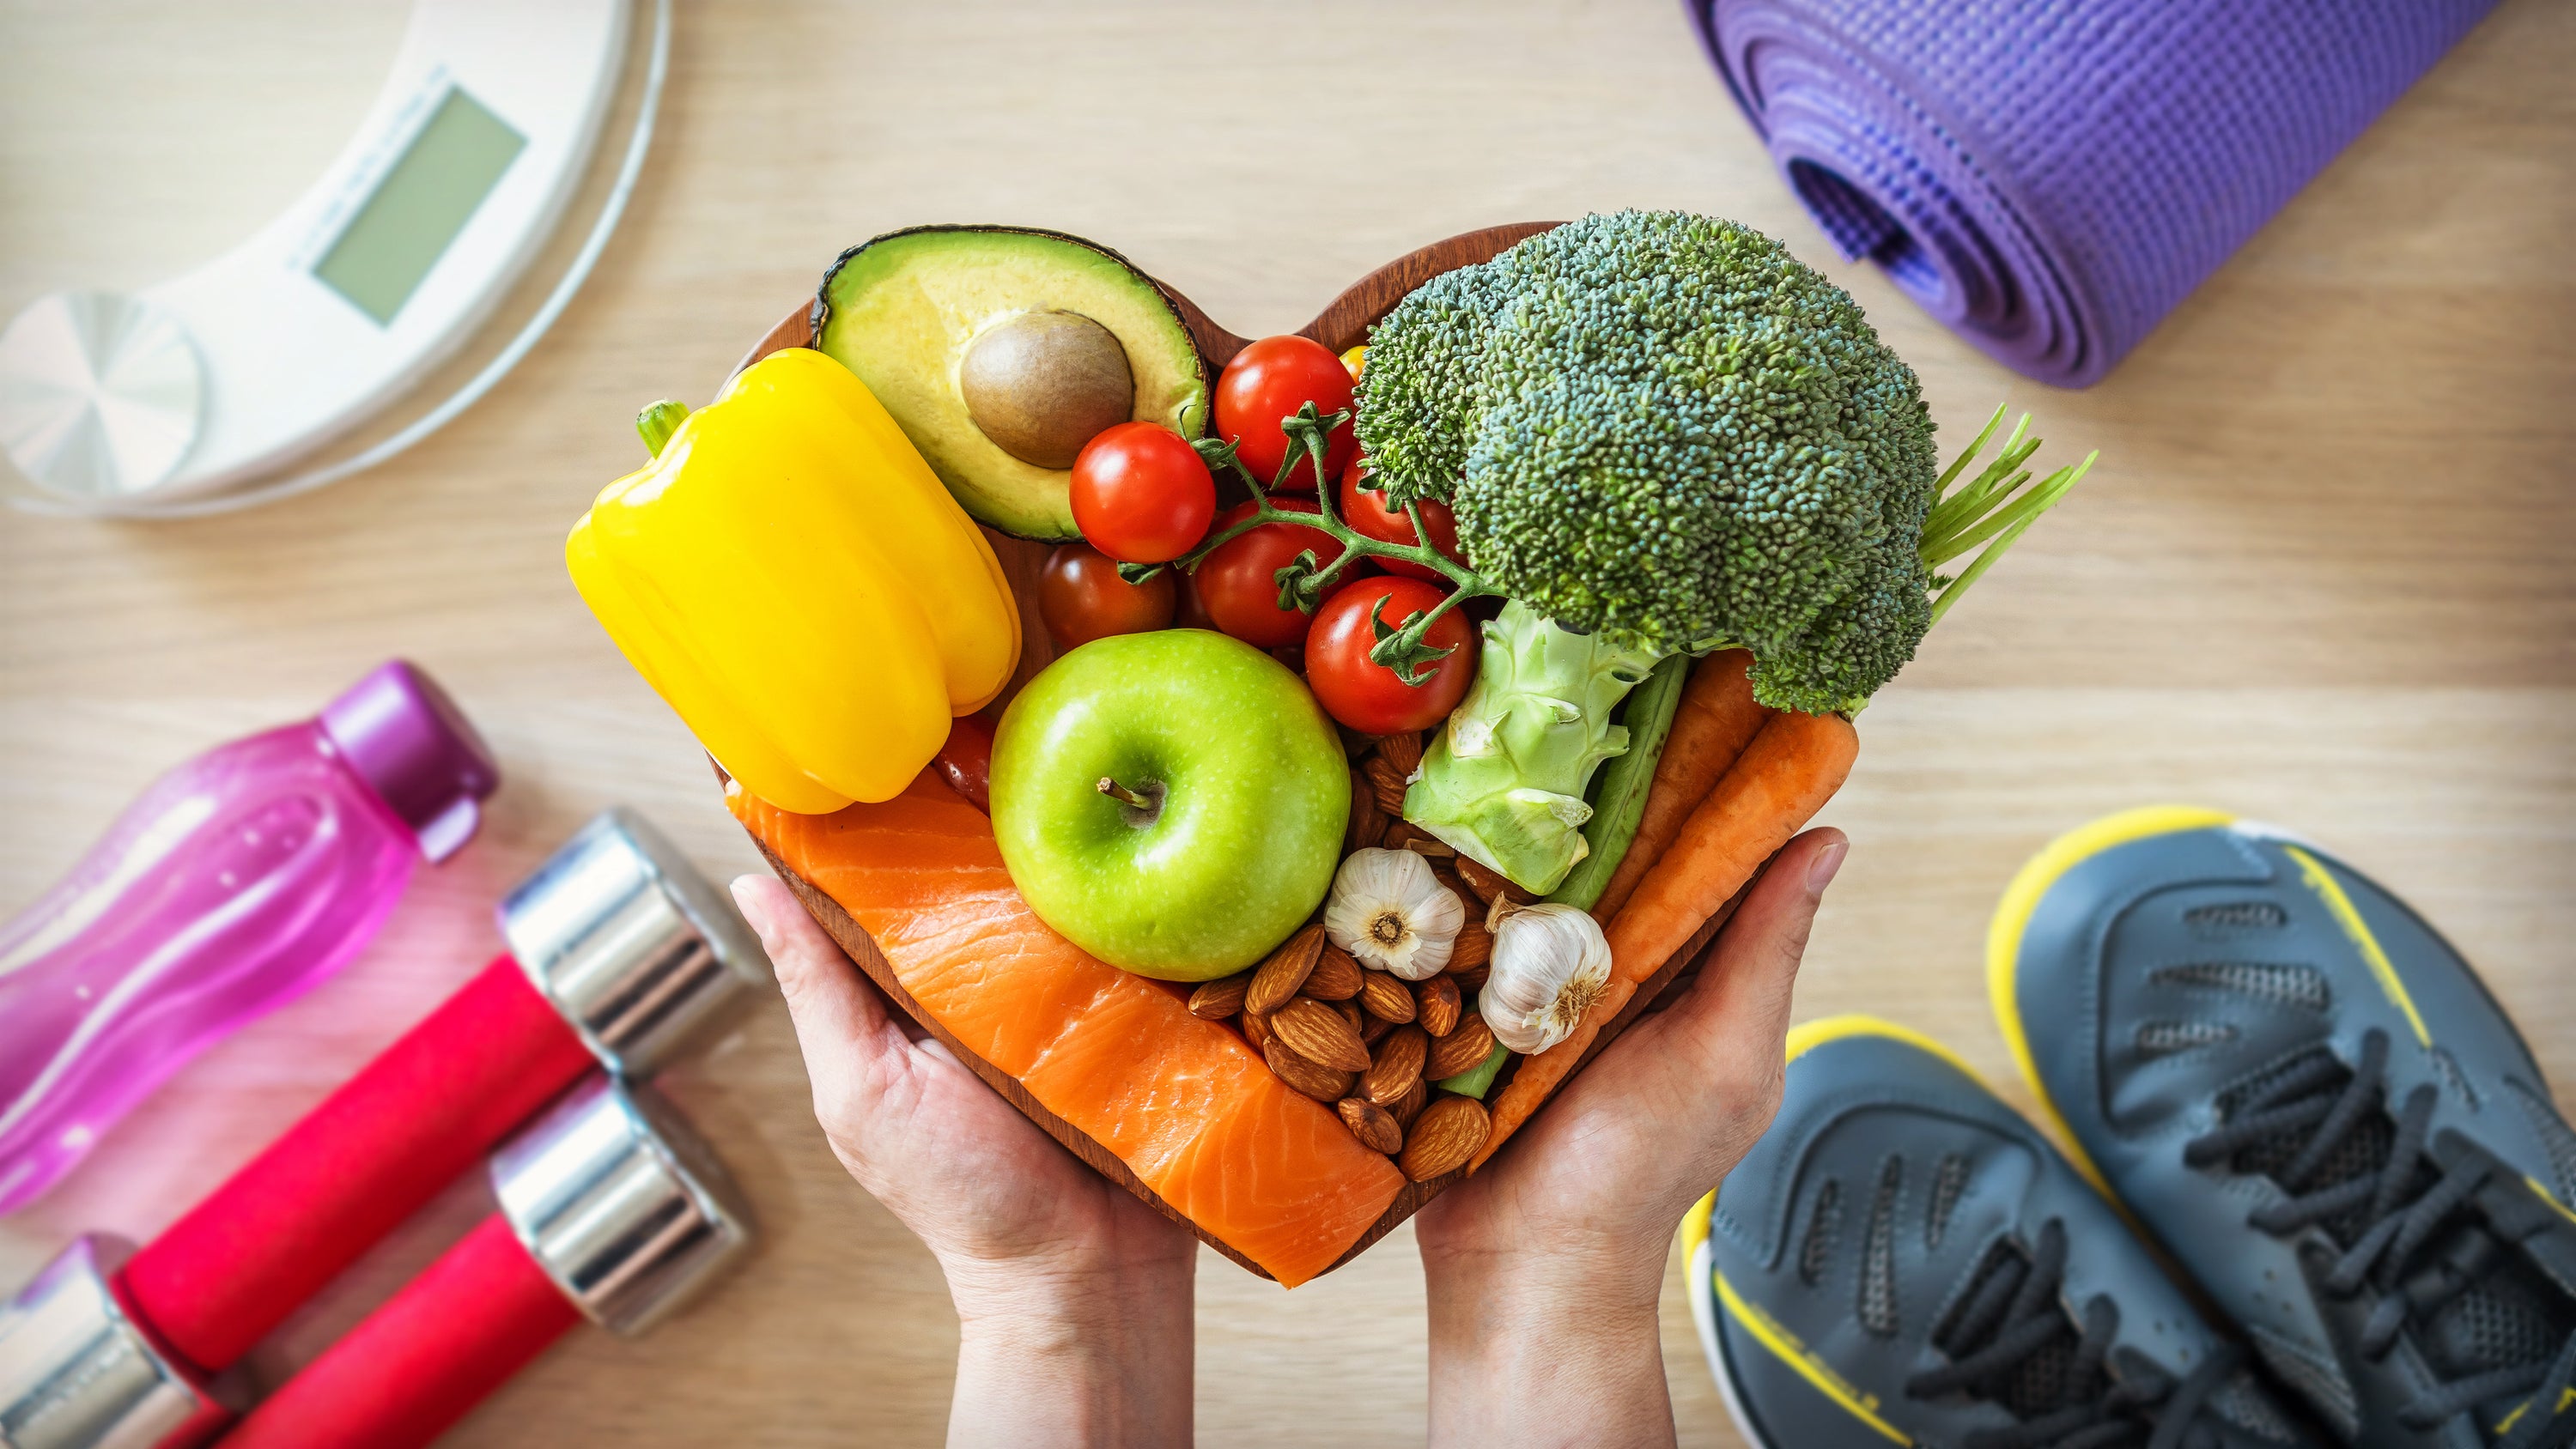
x,y
1820,871
754,915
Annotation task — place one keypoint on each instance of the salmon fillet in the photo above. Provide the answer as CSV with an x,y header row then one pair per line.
x,y
1185,1103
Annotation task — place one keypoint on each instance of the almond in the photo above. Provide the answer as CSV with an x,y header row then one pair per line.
x,y
1437,1005
1487,884
1403,752
1336,976
1472,947
1386,783
1321,1035
1370,1123
1462,1050
1366,819
1471,980
1397,1068
1350,1012
1410,1105
1218,1000
1429,848
1256,1028
1385,998
1280,977
1319,1082
1374,1027
1444,1137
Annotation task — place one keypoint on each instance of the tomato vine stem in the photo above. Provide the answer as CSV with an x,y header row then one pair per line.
x,y
1303,580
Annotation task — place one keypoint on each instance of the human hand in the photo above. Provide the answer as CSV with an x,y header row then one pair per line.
x,y
1544,1269
1073,1298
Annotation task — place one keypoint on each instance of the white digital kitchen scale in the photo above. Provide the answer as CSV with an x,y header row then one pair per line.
x,y
192,396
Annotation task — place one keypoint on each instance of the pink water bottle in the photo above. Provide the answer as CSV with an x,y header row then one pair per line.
x,y
237,881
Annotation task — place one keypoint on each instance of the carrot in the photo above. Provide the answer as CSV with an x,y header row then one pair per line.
x,y
1792,767
1716,719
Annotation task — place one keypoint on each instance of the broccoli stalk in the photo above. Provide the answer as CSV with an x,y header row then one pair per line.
x,y
1504,783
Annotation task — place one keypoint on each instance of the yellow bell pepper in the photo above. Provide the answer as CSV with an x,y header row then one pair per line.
x,y
790,576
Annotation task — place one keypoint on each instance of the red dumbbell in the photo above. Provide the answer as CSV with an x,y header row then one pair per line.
x,y
620,954
611,1209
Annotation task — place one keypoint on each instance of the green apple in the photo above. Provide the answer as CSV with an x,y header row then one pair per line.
x,y
1172,802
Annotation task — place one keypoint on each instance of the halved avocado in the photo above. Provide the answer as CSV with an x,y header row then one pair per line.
x,y
907,311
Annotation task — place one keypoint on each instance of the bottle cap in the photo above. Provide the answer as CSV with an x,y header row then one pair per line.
x,y
416,750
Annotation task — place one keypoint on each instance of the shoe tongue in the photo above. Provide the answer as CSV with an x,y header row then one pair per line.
x,y
2038,1384
2246,1415
2509,1317
2363,1152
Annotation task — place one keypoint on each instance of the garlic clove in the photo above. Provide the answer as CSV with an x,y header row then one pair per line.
x,y
1551,963
1389,911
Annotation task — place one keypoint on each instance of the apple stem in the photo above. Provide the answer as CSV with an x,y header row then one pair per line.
x,y
1123,795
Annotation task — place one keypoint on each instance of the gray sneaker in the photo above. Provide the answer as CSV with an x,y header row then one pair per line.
x,y
2307,1095
1904,1260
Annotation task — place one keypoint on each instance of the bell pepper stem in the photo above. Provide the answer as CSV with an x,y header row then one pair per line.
x,y
657,423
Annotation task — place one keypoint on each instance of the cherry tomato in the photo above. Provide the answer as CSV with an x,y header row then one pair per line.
x,y
1189,611
1367,696
966,760
1082,598
1266,382
1238,582
1141,494
1366,511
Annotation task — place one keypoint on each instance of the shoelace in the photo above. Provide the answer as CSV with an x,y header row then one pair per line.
x,y
2403,1212
2015,1315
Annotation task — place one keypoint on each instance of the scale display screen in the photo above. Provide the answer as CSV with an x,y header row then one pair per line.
x,y
422,203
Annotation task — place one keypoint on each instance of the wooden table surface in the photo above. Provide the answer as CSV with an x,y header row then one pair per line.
x,y
2321,576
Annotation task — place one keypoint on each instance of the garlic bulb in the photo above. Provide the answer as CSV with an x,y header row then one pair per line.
x,y
1551,963
1389,911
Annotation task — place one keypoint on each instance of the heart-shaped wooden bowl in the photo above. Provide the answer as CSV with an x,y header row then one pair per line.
x,y
1343,324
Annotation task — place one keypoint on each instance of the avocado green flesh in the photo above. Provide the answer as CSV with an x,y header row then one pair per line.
x,y
902,311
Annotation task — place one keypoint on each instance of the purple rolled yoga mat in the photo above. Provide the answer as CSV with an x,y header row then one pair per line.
x,y
2049,178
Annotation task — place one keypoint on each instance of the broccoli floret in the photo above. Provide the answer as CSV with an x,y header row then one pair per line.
x,y
1663,431
1423,405
1666,428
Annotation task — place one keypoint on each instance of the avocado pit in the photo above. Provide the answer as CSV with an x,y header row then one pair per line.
x,y
1042,384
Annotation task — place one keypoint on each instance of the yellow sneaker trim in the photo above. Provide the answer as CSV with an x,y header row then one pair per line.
x,y
2012,918
1802,1038
2566,1400
1784,1345
1695,1223
1806,1036
2551,1198
2314,875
